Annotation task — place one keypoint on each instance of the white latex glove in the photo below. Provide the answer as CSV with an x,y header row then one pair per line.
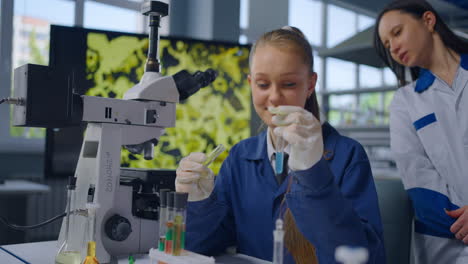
x,y
194,178
302,131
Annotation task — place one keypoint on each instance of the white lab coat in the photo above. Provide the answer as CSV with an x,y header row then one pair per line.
x,y
429,141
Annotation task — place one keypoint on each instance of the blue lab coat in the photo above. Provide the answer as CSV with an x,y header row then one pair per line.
x,y
334,203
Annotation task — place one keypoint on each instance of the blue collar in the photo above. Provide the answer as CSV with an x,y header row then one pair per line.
x,y
256,147
426,78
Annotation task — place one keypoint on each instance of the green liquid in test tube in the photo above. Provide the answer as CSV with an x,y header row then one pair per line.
x,y
214,154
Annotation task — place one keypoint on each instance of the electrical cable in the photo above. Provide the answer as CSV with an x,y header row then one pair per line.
x,y
15,256
23,228
71,185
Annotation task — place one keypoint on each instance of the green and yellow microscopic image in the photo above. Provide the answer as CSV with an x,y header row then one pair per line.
x,y
217,114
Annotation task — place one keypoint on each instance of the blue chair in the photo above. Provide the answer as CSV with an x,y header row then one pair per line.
x,y
397,219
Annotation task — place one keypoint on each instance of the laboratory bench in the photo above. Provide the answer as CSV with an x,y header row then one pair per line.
x,y
44,253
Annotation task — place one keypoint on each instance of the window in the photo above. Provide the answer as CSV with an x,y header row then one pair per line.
x,y
388,97
59,12
318,70
307,16
243,20
369,77
102,16
341,25
369,112
244,14
31,28
342,110
341,75
389,77
365,22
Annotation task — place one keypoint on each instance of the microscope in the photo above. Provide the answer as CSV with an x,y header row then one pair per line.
x,y
126,220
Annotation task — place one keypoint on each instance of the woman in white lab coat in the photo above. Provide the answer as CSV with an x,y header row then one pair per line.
x,y
429,125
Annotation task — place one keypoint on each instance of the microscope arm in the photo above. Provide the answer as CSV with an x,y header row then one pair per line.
x,y
128,112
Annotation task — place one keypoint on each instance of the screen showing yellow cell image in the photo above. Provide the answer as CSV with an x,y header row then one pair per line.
x,y
217,114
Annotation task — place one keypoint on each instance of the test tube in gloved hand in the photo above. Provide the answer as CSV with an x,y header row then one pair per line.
x,y
193,175
214,154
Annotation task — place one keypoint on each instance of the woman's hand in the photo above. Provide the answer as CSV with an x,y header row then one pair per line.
x,y
302,131
460,227
194,178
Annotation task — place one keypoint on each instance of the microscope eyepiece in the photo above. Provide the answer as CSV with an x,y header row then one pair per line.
x,y
188,84
205,78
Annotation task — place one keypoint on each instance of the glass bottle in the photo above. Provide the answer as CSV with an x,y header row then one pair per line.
x,y
67,254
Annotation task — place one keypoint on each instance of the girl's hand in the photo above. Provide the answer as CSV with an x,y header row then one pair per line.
x,y
302,131
194,178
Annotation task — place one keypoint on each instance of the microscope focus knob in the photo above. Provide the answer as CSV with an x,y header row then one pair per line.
x,y
118,228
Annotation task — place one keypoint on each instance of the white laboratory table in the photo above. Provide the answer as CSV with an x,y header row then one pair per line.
x,y
44,253
19,187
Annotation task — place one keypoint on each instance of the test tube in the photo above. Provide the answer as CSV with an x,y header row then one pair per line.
x,y
278,242
279,156
280,144
72,182
214,154
91,227
180,204
162,218
169,223
91,254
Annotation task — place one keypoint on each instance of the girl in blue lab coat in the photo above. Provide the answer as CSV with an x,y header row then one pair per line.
x,y
327,199
429,125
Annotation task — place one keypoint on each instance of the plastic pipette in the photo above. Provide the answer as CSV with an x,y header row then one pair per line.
x,y
278,242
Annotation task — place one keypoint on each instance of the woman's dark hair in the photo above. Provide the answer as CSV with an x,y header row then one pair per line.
x,y
416,8
291,37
